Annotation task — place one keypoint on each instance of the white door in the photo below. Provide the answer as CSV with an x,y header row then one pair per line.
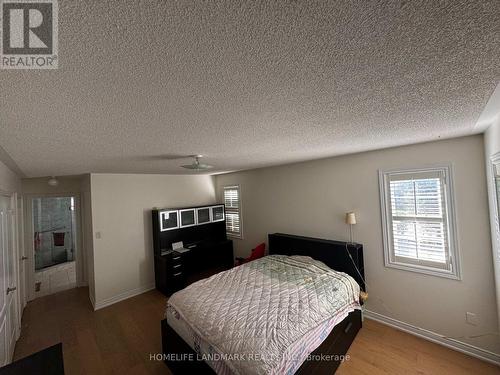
x,y
12,284
8,277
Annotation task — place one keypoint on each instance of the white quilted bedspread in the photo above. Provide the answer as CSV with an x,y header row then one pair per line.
x,y
257,310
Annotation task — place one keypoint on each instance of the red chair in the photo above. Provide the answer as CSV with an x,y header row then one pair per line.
x,y
257,253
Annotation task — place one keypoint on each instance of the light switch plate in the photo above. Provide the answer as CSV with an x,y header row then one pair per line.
x,y
471,318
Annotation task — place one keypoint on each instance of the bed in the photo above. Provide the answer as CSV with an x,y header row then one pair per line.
x,y
266,317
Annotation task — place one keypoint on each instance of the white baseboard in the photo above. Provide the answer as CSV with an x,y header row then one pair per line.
x,y
122,296
463,347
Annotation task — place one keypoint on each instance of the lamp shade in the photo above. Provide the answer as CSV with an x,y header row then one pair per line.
x,y
350,218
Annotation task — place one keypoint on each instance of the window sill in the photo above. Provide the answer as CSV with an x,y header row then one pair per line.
x,y
424,270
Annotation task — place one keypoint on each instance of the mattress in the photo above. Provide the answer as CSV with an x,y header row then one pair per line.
x,y
263,317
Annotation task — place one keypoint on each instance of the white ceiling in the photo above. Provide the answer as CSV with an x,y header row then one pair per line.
x,y
248,84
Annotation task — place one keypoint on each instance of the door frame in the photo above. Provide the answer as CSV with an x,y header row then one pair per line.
x,y
29,245
494,161
13,196
23,300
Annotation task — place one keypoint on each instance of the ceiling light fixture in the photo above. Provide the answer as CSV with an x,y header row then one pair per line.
x,y
53,181
196,165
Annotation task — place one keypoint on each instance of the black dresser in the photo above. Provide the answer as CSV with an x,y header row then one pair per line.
x,y
209,250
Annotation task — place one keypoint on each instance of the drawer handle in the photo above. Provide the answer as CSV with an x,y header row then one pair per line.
x,y
178,273
175,258
177,265
348,327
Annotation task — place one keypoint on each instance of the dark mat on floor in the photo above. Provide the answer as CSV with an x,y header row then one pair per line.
x,y
48,361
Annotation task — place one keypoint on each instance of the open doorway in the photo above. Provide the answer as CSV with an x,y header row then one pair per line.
x,y
55,240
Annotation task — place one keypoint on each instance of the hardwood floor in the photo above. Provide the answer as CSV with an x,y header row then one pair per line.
x,y
119,339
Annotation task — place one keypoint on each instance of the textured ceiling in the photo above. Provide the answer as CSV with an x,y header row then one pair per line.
x,y
248,84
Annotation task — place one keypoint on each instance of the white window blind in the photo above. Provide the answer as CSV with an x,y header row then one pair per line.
x,y
417,221
233,210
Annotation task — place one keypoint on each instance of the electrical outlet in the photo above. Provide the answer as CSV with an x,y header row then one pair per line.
x,y
98,235
471,318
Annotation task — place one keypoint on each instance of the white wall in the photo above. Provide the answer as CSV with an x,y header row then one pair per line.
x,y
311,199
491,147
121,214
39,186
9,181
87,240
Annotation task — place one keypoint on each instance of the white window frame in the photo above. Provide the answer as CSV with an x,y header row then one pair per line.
x,y
232,234
449,200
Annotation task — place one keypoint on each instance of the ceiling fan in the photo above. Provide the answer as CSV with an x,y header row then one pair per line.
x,y
196,164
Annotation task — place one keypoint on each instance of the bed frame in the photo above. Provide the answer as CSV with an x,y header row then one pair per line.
x,y
337,255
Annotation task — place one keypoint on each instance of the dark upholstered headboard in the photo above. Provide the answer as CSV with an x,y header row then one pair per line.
x,y
333,253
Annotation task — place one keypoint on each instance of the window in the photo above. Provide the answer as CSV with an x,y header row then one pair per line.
x,y
233,210
418,221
